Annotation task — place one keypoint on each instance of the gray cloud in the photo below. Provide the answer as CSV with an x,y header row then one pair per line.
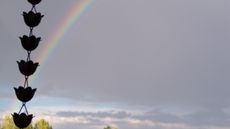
x,y
159,53
202,118
197,119
145,53
120,114
174,55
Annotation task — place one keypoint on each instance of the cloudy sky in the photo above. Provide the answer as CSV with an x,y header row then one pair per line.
x,y
131,64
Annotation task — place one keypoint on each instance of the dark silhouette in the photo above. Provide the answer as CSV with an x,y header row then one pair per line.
x,y
23,120
34,2
32,19
24,94
27,67
30,43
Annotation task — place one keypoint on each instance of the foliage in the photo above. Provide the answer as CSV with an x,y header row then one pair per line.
x,y
8,123
109,127
42,124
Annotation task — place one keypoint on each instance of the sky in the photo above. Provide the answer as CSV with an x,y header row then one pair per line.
x,y
131,64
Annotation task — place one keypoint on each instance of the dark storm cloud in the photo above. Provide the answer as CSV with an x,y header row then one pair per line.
x,y
146,53
137,53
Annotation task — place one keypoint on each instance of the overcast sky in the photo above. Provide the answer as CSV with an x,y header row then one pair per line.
x,y
131,64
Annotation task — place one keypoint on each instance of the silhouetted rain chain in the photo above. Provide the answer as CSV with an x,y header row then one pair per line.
x,y
27,67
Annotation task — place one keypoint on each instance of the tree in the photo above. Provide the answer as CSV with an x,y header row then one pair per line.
x,y
109,127
8,123
42,124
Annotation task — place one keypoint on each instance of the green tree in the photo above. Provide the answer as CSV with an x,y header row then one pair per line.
x,y
42,124
8,123
109,127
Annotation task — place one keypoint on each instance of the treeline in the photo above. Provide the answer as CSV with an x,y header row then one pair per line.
x,y
8,123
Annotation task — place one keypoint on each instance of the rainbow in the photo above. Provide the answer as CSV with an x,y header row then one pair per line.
x,y
72,16
59,31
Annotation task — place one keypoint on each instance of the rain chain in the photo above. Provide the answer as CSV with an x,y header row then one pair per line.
x,y
27,67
